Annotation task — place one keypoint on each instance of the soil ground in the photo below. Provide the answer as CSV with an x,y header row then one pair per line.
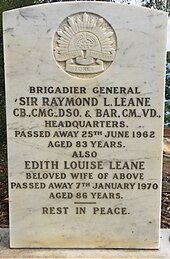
x,y
165,210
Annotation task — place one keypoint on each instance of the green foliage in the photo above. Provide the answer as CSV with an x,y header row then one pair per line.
x,y
163,5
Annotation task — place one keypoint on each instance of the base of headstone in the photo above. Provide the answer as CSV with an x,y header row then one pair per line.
x,y
6,252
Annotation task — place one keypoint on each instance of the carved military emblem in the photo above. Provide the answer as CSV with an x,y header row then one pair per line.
x,y
85,45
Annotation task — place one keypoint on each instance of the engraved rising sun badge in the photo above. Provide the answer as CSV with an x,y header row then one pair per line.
x,y
85,45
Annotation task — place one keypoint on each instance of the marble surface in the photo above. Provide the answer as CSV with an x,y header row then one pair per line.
x,y
6,252
85,93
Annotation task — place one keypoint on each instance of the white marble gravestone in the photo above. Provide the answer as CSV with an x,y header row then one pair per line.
x,y
85,93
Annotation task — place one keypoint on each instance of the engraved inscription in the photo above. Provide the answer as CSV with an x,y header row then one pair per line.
x,y
85,45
